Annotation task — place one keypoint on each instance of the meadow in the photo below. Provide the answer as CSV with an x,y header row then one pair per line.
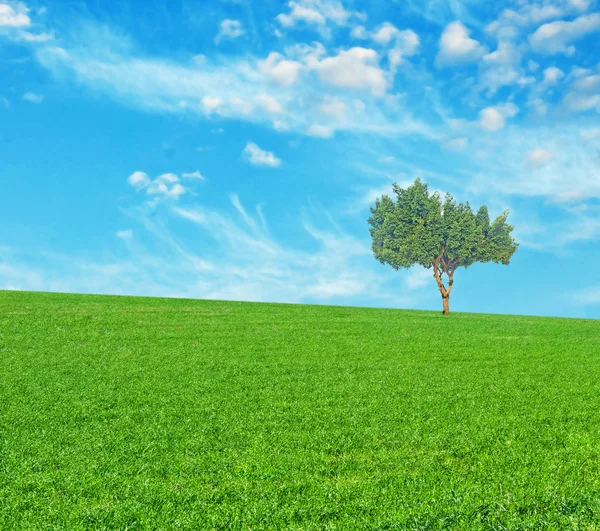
x,y
147,413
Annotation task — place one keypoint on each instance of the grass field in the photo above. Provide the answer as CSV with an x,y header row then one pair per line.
x,y
141,413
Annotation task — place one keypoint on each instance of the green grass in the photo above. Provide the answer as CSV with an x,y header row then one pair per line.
x,y
141,413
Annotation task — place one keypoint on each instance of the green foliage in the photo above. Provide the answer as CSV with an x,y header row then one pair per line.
x,y
417,229
143,413
483,220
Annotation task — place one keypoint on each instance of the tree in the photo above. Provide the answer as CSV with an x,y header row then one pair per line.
x,y
420,229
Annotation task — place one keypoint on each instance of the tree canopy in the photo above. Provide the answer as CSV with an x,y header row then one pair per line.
x,y
421,229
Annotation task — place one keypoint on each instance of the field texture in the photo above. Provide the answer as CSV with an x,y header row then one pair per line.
x,y
140,413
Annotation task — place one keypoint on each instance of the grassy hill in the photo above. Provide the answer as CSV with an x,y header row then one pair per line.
x,y
141,413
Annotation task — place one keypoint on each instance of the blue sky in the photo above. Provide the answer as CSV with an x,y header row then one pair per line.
x,y
230,149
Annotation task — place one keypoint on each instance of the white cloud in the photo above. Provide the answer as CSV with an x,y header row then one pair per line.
x,y
308,54
552,74
493,118
125,235
356,68
317,13
418,277
580,5
581,228
259,157
568,196
241,87
168,178
280,70
510,24
230,255
584,93
494,78
407,44
336,287
259,268
587,297
555,37
539,157
269,103
241,106
162,189
280,125
457,144
579,103
193,175
35,37
359,32
165,185
334,107
229,29
32,97
368,196
505,167
300,12
320,131
384,33
501,68
456,46
590,134
211,103
508,110
235,201
505,53
14,18
588,83
138,180
543,13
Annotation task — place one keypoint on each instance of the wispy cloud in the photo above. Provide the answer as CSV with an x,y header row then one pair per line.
x,y
126,234
539,157
418,277
556,37
194,175
587,297
242,262
32,97
254,89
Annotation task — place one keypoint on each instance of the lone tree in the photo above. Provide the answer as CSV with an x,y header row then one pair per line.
x,y
418,229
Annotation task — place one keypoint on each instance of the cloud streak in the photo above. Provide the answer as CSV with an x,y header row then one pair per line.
x,y
245,262
263,90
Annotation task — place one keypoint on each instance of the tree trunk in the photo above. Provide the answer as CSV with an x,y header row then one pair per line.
x,y
445,292
445,299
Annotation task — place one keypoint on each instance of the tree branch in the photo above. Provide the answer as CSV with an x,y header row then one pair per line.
x,y
453,265
450,283
445,264
436,274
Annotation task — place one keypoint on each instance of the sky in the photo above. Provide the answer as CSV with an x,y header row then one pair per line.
x,y
231,149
